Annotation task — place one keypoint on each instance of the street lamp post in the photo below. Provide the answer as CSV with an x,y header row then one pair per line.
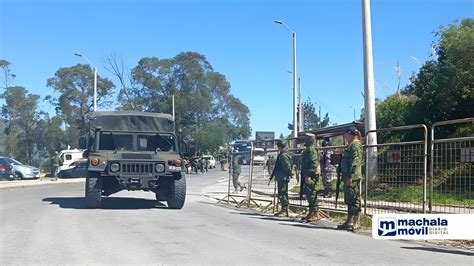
x,y
369,92
295,120
95,79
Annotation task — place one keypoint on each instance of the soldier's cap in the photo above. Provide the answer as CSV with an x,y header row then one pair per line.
x,y
309,138
352,131
55,152
281,144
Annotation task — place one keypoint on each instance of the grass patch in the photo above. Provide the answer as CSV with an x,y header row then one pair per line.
x,y
415,195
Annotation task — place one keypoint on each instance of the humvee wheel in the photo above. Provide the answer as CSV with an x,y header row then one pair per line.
x,y
177,193
93,191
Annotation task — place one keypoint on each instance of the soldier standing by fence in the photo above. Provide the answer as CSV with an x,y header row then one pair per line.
x,y
54,165
270,164
351,171
309,176
282,173
236,161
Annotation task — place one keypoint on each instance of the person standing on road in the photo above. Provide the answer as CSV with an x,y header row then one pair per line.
x,y
206,165
54,165
282,173
236,161
309,176
327,169
351,173
201,165
270,164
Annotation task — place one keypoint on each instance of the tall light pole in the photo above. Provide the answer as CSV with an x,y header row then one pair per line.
x,y
295,119
95,79
300,109
369,92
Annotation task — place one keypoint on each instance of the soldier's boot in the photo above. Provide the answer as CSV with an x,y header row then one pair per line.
x,y
328,193
345,225
355,224
308,217
282,213
242,188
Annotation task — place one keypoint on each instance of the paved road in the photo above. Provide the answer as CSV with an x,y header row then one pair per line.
x,y
49,224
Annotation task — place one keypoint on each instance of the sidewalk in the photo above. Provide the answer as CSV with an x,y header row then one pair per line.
x,y
38,182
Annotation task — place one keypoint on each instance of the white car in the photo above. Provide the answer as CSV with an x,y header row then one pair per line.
x,y
259,156
211,160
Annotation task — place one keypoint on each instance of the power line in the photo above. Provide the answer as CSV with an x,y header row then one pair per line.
x,y
325,106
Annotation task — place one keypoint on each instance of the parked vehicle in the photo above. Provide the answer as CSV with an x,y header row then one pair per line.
x,y
6,170
22,171
243,147
211,160
259,156
68,157
78,169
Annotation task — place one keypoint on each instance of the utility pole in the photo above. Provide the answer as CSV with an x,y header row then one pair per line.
x,y
320,120
94,108
301,111
370,123
295,118
398,71
174,120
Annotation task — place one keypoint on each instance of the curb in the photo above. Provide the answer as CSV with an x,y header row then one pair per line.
x,y
33,183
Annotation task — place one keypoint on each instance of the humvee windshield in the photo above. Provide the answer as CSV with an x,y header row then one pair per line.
x,y
137,141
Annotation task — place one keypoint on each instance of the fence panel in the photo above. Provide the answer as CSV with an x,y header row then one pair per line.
x,y
452,171
263,193
399,183
234,193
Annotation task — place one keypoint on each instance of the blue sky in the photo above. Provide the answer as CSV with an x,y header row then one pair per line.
x,y
238,38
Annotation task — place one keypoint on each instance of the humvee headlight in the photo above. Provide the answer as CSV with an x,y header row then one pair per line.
x,y
114,167
159,168
174,163
95,161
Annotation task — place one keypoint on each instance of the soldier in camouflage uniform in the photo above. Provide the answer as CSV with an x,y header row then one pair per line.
x,y
309,176
270,164
351,172
282,173
236,173
55,165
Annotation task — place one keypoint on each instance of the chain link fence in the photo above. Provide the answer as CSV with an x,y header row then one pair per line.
x,y
400,178
452,171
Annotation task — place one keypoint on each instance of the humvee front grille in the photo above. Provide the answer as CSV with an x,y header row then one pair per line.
x,y
137,168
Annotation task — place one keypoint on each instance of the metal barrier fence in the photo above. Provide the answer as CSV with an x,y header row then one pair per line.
x,y
264,192
452,171
235,193
399,184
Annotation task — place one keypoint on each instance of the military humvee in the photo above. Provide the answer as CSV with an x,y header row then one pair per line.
x,y
130,150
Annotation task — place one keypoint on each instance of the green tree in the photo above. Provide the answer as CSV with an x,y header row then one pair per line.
x,y
75,102
21,117
311,119
6,72
445,87
206,111
7,78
